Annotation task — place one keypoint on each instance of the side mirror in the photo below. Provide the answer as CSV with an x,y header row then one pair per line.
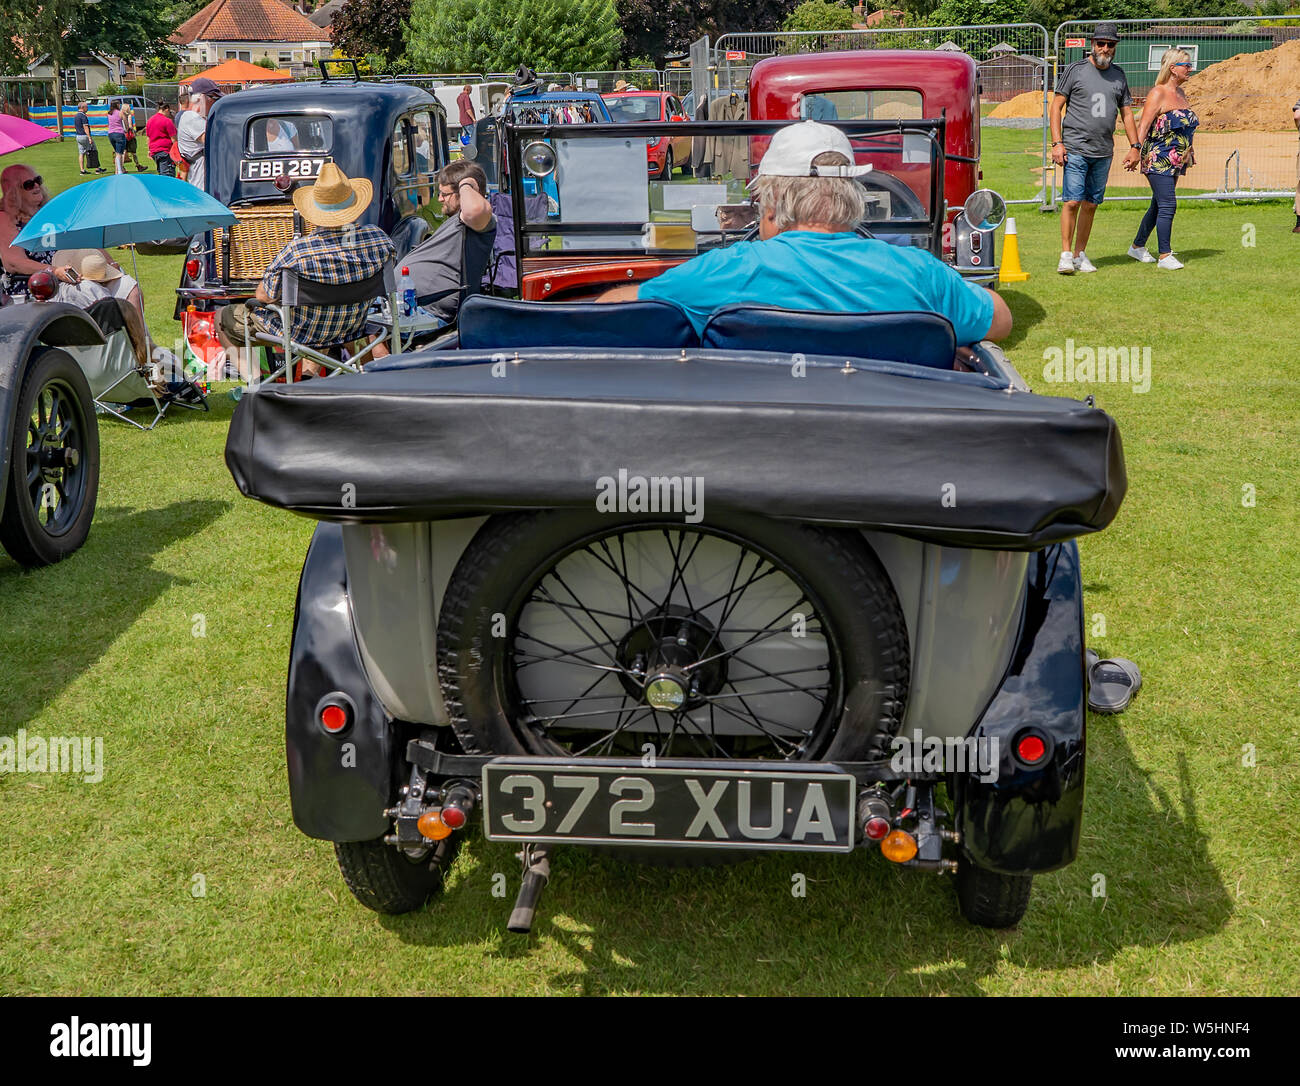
x,y
985,209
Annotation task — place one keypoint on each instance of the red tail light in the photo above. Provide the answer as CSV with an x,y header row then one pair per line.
x,y
1030,748
192,268
876,828
334,718
42,285
454,817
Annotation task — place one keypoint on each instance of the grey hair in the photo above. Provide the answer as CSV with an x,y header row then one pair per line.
x,y
830,201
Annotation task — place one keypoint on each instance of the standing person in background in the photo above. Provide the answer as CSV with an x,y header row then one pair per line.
x,y
85,141
1295,115
116,134
467,116
128,126
191,128
1168,125
1089,94
160,130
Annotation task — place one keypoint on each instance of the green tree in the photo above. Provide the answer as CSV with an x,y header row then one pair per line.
x,y
547,35
363,27
657,28
978,13
819,15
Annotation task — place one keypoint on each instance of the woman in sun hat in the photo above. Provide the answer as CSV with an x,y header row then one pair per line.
x,y
101,277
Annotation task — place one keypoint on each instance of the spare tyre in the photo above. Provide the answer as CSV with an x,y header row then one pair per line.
x,y
589,634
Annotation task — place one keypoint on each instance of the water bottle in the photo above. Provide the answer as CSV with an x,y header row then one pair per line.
x,y
406,288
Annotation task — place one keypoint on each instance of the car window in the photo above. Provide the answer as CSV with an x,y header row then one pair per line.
x,y
401,149
289,134
861,105
425,158
641,107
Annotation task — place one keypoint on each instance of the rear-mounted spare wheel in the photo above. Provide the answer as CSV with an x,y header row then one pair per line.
x,y
589,634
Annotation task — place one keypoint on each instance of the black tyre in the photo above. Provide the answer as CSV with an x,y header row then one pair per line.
x,y
667,174
53,462
591,634
387,880
990,898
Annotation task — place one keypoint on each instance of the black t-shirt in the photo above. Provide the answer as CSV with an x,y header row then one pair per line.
x,y
82,123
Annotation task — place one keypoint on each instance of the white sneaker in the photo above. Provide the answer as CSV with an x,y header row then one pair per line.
x,y
1083,264
1066,264
1141,254
1169,263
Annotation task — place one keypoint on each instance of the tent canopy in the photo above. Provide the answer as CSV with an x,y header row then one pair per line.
x,y
239,71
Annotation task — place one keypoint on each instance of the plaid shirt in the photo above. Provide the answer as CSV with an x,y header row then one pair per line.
x,y
333,254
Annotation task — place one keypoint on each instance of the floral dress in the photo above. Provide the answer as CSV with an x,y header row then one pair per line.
x,y
1168,146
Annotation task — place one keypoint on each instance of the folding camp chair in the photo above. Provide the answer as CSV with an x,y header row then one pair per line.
x,y
298,290
120,373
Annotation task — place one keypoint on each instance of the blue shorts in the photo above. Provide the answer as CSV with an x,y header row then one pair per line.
x,y
1085,178
117,141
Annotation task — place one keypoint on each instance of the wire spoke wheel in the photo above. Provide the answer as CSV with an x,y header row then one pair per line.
x,y
590,635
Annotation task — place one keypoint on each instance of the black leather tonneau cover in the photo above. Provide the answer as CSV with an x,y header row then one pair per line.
x,y
939,456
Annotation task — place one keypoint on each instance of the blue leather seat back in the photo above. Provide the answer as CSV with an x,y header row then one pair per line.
x,y
488,323
923,339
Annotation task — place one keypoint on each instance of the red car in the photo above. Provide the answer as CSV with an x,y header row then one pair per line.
x,y
663,154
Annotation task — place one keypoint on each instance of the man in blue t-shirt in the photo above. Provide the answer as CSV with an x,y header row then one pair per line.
x,y
808,256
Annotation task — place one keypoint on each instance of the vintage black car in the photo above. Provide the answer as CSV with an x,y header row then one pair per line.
x,y
586,574
263,142
49,438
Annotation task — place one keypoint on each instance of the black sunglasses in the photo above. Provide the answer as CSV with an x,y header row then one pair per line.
x,y
32,182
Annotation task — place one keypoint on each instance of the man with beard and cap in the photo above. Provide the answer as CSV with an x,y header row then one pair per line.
x,y
1090,93
191,128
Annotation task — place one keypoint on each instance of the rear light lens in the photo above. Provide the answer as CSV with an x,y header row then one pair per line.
x,y
1030,748
876,828
334,718
335,713
432,826
454,817
192,268
42,285
899,846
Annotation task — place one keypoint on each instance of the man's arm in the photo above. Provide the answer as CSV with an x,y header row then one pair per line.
x,y
1131,130
1054,116
1000,328
624,292
475,211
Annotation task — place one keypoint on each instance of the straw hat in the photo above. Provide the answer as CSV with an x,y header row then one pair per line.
x,y
622,85
334,199
90,264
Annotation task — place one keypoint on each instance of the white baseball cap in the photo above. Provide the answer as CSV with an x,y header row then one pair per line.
x,y
793,149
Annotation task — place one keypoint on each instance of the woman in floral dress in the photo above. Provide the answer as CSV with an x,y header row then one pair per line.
x,y
1165,133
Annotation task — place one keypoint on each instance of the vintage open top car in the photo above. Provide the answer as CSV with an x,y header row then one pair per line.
x,y
264,141
802,581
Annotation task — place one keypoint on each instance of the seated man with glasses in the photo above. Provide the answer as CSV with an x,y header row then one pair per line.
x,y
336,252
449,265
809,255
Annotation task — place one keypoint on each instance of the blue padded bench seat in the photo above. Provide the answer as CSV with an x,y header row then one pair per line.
x,y
488,323
921,338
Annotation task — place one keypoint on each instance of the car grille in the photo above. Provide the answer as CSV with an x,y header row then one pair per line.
x,y
245,249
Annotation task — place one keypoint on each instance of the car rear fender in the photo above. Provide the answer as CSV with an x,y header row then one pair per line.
x,y
23,328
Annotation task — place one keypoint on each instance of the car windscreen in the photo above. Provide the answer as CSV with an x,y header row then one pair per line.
x,y
640,107
877,104
289,134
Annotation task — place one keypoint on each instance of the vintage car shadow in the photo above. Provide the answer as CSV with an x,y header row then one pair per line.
x,y
863,927
1026,312
56,622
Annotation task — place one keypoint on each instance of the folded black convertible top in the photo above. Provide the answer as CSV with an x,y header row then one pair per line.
x,y
944,457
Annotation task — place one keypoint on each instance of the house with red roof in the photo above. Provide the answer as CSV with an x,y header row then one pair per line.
x,y
249,30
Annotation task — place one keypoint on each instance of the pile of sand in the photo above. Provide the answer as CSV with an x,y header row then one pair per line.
x,y
1251,91
1029,104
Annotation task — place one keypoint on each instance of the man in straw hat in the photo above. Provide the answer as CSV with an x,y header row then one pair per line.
x,y
337,251
809,255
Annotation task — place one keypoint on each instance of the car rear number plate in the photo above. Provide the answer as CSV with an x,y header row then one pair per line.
x,y
682,804
268,169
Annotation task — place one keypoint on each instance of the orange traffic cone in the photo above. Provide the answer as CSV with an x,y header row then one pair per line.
x,y
1011,271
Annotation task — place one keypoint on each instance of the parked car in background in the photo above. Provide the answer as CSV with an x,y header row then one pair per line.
x,y
97,110
666,152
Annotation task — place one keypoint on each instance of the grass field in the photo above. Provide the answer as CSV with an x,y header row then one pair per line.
x,y
1198,580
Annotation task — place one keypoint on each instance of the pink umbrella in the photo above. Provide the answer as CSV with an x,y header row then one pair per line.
x,y
15,133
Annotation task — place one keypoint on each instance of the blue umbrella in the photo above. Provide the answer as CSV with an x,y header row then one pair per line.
x,y
120,210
